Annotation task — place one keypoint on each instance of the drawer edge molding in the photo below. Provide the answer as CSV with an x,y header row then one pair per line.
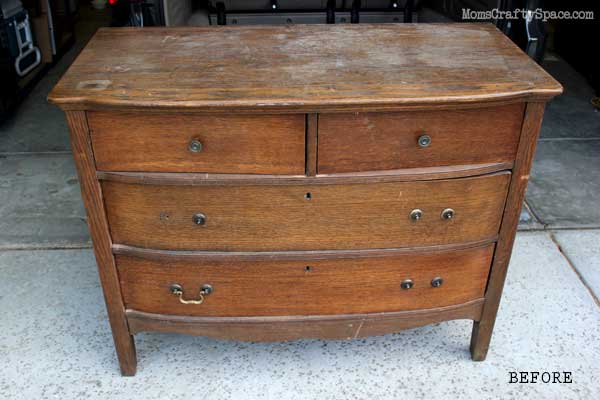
x,y
158,254
401,175
276,328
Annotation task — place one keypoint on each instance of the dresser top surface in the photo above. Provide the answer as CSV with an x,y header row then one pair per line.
x,y
300,67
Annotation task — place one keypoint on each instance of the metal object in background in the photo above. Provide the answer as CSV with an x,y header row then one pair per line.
x,y
138,13
16,37
528,33
264,12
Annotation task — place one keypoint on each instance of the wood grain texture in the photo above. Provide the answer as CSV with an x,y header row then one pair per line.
x,y
305,287
312,122
300,67
399,175
266,329
386,141
253,144
356,216
98,225
234,256
482,330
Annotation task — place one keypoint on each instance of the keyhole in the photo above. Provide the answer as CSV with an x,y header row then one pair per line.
x,y
308,196
307,268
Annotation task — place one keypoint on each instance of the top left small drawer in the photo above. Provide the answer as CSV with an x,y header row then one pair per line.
x,y
238,144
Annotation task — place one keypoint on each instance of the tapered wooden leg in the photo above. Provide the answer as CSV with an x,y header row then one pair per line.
x,y
482,329
125,347
480,342
91,193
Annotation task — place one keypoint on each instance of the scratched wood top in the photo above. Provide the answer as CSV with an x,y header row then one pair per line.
x,y
300,67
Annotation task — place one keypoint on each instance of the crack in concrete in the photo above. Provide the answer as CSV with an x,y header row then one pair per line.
x,y
574,268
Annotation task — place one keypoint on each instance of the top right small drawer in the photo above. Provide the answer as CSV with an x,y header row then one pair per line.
x,y
418,139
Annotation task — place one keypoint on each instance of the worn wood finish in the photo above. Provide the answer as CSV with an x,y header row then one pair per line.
x,y
312,121
234,256
382,141
482,330
305,287
289,67
401,175
267,329
251,144
307,217
92,199
281,116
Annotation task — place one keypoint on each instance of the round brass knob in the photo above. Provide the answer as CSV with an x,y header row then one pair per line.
x,y
195,146
199,219
424,140
437,282
416,214
407,284
448,213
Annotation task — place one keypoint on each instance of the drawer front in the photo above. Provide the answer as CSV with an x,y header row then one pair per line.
x,y
265,144
418,139
305,287
305,217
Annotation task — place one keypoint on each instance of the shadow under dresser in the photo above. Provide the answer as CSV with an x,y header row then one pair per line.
x,y
318,181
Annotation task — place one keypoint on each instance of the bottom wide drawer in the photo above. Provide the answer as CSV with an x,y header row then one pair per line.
x,y
309,286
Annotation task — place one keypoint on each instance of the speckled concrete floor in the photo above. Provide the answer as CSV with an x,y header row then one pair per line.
x,y
56,343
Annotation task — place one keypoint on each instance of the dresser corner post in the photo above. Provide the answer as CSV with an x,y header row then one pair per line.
x,y
483,328
98,225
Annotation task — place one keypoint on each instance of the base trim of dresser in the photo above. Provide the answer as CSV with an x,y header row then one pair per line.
x,y
278,328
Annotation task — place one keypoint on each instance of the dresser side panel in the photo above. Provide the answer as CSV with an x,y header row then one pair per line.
x,y
98,225
482,330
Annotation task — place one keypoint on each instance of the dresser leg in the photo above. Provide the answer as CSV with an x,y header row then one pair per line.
x,y
482,329
91,193
480,341
126,354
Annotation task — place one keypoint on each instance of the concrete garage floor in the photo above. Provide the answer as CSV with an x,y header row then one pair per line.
x,y
56,343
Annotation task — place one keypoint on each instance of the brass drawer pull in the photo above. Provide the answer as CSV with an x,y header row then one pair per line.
x,y
424,140
205,290
195,146
448,214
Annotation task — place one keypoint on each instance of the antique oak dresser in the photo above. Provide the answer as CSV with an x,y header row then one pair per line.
x,y
319,181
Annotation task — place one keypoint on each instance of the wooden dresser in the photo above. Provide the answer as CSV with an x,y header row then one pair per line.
x,y
317,181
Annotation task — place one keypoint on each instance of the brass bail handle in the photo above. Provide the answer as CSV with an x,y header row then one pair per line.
x,y
205,290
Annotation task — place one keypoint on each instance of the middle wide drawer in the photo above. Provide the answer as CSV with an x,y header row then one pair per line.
x,y
306,217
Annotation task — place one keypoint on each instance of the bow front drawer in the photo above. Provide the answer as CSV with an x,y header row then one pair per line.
x,y
306,217
252,144
307,286
418,139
